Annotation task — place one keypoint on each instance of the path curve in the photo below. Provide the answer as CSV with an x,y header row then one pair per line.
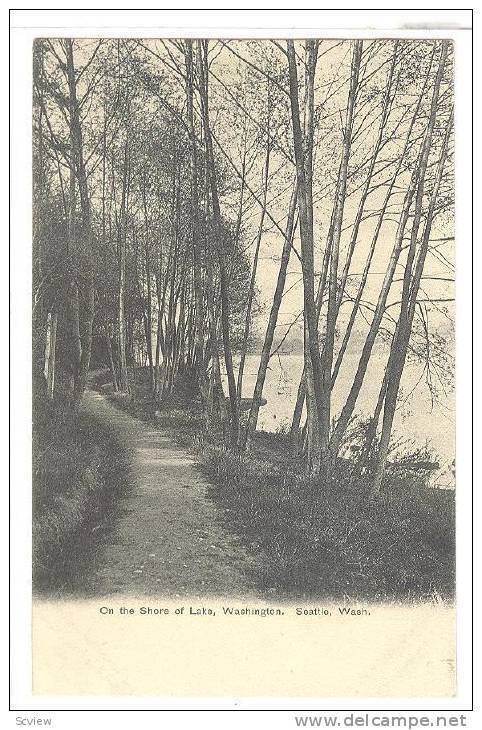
x,y
168,538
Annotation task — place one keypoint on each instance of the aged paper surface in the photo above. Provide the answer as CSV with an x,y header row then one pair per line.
x,y
244,351
393,652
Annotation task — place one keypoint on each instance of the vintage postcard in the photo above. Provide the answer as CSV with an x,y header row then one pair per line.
x,y
243,366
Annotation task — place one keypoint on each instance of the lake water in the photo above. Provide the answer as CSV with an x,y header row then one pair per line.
x,y
417,418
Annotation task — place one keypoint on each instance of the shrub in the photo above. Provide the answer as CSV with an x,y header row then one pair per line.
x,y
79,471
327,539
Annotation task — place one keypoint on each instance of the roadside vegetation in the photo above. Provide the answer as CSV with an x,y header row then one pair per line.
x,y
79,473
317,536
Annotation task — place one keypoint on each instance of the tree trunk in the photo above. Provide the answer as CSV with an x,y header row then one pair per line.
x,y
329,343
223,277
148,313
401,339
417,174
123,376
50,352
386,105
195,228
252,282
302,387
273,319
304,171
83,289
111,362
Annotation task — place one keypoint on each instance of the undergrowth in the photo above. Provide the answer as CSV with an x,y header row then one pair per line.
x,y
323,537
79,471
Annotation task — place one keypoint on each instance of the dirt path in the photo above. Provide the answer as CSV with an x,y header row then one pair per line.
x,y
168,538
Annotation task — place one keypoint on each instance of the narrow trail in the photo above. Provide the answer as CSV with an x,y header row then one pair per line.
x,y
167,538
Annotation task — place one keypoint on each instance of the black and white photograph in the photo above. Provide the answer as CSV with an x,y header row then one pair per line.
x,y
243,318
240,383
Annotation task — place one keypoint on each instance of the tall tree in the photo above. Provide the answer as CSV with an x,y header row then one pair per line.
x,y
82,285
418,173
272,321
334,247
411,284
219,233
303,147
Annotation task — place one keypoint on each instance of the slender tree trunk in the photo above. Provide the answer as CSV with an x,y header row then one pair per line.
x,y
50,352
48,342
304,170
417,174
302,387
329,343
239,219
273,319
123,376
312,430
170,341
371,433
195,227
386,105
147,258
349,406
73,303
385,113
161,291
113,373
84,247
411,286
224,290
217,410
249,303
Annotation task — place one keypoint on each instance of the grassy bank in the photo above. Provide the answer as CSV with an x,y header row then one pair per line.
x,y
79,471
319,539
324,539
